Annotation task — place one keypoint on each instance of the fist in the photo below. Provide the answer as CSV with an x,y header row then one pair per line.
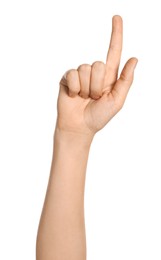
x,y
91,95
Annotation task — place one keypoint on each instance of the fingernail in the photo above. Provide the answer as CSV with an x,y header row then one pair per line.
x,y
96,97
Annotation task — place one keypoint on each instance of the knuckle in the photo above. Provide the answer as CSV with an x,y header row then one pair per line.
x,y
70,74
72,81
123,77
98,65
126,76
84,67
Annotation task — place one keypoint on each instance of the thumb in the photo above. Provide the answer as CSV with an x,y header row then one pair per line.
x,y
124,83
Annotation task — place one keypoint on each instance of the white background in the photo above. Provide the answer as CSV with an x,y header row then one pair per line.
x,y
39,41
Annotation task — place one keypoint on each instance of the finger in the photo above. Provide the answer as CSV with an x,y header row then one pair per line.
x,y
115,48
84,71
97,79
123,84
73,83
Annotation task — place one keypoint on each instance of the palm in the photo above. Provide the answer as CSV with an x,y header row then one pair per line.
x,y
83,112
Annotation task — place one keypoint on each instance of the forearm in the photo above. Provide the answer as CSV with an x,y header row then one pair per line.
x,y
61,234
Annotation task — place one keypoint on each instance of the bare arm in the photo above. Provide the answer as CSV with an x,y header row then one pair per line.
x,y
89,97
62,231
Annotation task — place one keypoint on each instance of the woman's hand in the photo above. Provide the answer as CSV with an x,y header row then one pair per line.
x,y
91,95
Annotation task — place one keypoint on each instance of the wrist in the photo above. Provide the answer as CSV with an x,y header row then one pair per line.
x,y
72,138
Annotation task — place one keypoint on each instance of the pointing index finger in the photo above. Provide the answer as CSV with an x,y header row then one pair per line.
x,y
115,47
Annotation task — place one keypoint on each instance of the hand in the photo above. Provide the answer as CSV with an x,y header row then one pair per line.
x,y
91,95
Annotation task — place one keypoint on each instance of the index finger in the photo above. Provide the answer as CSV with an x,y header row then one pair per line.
x,y
115,47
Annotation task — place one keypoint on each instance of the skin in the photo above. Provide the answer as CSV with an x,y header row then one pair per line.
x,y
88,99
